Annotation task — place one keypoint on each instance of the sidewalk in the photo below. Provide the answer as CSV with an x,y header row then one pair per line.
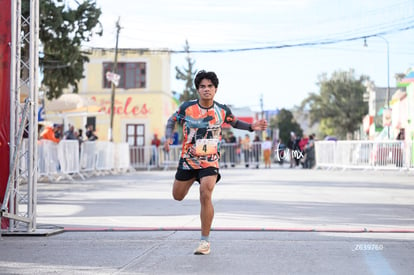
x,y
267,221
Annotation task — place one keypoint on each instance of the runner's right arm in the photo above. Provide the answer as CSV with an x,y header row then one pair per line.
x,y
169,131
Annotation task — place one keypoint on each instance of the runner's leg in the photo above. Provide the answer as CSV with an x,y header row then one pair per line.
x,y
207,210
181,187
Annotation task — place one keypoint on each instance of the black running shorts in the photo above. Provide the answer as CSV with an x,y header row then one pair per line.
x,y
197,173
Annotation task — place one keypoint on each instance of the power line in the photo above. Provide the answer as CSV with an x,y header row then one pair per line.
x,y
395,15
304,44
347,36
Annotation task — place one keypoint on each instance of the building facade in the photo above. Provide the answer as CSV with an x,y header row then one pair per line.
x,y
386,123
375,124
143,98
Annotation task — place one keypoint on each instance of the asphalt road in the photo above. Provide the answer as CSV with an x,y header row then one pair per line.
x,y
267,221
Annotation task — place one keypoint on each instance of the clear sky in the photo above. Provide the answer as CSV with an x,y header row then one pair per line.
x,y
306,38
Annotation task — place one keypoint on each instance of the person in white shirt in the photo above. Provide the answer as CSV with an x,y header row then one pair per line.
x,y
267,151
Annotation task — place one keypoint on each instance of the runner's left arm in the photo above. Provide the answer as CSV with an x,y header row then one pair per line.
x,y
239,124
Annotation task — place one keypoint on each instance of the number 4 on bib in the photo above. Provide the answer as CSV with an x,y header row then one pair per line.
x,y
206,147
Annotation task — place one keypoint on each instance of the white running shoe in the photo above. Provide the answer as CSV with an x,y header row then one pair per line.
x,y
203,248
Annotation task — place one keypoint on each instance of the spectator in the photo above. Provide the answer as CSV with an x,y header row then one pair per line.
x,y
231,139
59,132
246,146
310,153
401,134
293,146
176,138
399,151
302,142
302,145
70,134
80,139
80,135
90,134
238,149
155,143
256,148
49,133
267,151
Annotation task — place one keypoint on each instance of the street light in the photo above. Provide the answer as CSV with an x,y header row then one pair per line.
x,y
388,72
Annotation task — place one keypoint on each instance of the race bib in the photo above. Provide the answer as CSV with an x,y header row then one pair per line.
x,y
206,147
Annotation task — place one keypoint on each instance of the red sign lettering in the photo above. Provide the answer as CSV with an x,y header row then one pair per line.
x,y
123,108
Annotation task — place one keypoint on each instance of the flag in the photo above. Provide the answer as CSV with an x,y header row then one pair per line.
x,y
113,77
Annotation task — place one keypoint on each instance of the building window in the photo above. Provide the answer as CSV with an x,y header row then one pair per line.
x,y
91,120
132,74
135,135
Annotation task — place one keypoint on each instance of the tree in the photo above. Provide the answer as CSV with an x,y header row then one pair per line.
x,y
339,106
61,32
286,123
187,74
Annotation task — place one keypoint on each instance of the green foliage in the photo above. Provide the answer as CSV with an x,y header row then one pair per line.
x,y
62,31
286,124
187,74
325,127
339,106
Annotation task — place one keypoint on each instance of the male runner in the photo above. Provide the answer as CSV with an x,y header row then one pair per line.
x,y
202,120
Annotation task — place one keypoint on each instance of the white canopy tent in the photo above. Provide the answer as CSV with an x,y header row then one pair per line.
x,y
68,102
71,105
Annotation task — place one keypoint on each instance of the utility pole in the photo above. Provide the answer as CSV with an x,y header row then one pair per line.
x,y
114,71
261,106
262,113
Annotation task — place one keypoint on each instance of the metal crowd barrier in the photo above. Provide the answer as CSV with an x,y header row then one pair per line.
x,y
88,157
169,160
105,161
233,154
69,158
364,154
152,157
122,160
48,163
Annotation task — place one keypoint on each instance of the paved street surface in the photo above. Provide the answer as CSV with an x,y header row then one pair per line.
x,y
267,221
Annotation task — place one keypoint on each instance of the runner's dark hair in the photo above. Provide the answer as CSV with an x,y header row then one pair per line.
x,y
206,75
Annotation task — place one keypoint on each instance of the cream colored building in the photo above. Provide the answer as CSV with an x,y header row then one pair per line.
x,y
143,98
